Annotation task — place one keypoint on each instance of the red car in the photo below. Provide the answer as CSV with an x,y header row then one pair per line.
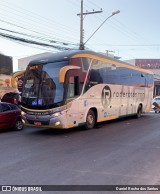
x,y
10,116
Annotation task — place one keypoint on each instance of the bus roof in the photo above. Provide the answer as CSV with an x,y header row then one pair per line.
x,y
66,55
59,56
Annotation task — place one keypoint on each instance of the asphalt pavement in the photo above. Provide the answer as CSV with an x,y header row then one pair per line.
x,y
119,152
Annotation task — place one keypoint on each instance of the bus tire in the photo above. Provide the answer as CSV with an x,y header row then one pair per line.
x,y
90,120
139,112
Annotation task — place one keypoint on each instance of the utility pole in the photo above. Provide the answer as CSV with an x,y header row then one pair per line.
x,y
81,45
107,51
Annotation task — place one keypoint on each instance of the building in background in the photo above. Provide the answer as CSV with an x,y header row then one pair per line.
x,y
7,83
152,65
6,65
23,62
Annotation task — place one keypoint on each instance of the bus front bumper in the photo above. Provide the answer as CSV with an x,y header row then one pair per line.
x,y
46,121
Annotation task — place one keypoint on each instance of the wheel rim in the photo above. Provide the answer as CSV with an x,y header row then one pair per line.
x,y
90,119
19,125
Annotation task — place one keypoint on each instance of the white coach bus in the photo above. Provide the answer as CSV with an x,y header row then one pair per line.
x,y
76,88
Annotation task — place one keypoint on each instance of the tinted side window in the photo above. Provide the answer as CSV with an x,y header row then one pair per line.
x,y
94,75
5,107
150,80
103,72
86,62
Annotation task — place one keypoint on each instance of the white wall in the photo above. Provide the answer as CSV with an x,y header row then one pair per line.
x,y
23,62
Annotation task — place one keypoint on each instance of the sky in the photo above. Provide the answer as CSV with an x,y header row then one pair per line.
x,y
133,33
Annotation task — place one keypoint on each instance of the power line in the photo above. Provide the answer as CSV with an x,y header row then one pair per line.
x,y
130,45
35,15
122,27
37,37
42,38
112,25
39,21
27,41
31,28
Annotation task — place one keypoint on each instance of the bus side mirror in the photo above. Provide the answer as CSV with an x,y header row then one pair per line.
x,y
64,70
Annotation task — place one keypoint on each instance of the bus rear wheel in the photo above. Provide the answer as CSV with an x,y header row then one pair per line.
x,y
139,112
90,120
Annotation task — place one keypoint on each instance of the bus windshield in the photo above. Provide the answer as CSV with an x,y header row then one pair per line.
x,y
41,86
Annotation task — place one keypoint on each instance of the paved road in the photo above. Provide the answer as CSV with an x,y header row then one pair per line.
x,y
115,153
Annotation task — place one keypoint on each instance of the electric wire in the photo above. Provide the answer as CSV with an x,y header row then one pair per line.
x,y
122,28
46,23
28,41
36,16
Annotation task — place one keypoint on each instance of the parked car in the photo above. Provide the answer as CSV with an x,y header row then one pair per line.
x,y
10,116
156,104
11,97
156,100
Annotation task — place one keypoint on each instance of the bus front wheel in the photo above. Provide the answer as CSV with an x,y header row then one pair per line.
x,y
90,120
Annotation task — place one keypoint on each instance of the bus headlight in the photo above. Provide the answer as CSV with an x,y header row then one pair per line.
x,y
57,123
56,114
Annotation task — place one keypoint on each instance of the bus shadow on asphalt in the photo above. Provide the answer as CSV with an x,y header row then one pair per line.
x,y
56,132
49,131
121,119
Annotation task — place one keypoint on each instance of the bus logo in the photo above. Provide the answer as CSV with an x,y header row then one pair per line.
x,y
106,96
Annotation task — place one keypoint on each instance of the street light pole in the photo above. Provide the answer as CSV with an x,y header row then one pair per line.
x,y
114,13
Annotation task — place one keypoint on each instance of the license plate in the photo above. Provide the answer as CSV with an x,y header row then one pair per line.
x,y
37,123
